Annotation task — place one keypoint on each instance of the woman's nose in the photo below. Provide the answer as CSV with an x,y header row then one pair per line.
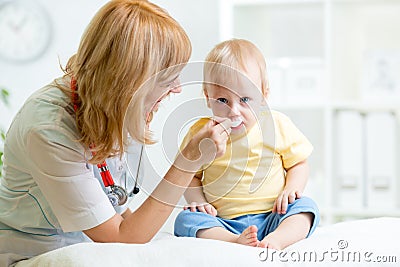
x,y
176,87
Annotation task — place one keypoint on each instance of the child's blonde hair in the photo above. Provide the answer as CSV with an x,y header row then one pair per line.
x,y
227,60
126,43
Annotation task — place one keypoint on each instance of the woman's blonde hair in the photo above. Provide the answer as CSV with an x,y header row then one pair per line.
x,y
126,43
227,60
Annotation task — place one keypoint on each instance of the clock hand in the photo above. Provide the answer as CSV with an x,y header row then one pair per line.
x,y
12,26
16,26
21,23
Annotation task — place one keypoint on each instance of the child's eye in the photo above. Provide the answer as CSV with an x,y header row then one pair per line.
x,y
222,100
245,99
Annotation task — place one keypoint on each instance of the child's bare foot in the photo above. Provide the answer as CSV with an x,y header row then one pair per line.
x,y
249,236
291,230
272,241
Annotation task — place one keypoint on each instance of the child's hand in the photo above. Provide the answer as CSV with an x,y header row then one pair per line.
x,y
285,198
202,207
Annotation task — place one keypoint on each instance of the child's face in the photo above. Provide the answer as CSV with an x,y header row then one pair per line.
x,y
239,101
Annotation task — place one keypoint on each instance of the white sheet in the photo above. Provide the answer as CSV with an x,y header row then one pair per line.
x,y
355,243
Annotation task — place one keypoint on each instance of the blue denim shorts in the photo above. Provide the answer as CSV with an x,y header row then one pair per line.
x,y
187,223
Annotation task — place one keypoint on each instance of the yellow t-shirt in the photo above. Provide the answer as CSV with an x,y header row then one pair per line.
x,y
249,176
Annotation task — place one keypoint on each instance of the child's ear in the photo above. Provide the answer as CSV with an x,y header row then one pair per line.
x,y
266,93
265,97
264,101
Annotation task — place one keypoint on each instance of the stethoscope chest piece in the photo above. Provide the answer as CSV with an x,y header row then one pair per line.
x,y
117,196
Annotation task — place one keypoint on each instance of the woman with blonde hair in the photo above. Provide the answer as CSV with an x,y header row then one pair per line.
x,y
52,193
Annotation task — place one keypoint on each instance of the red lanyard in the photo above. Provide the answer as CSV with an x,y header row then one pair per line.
x,y
103,168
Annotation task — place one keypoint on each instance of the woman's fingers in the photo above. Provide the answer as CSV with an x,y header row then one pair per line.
x,y
223,124
213,138
206,145
220,134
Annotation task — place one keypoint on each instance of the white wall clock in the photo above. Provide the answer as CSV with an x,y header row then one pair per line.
x,y
25,30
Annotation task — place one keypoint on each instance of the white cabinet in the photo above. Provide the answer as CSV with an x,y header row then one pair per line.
x,y
334,68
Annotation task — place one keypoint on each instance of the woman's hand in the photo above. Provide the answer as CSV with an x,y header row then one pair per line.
x,y
201,207
285,198
206,145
